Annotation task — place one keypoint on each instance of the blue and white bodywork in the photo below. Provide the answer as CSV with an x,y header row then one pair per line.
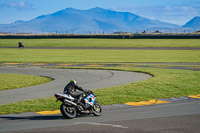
x,y
90,99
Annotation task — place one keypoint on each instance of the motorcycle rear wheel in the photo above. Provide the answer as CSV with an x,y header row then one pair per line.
x,y
67,111
96,109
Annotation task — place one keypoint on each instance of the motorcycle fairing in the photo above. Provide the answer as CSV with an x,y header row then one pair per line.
x,y
90,99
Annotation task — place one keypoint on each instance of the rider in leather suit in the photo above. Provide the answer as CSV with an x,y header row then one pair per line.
x,y
71,88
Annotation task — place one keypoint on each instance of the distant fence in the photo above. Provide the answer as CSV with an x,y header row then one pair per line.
x,y
105,36
167,36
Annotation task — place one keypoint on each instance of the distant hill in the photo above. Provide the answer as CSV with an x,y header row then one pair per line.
x,y
95,20
193,23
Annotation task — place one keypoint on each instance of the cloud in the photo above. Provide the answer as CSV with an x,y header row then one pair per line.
x,y
20,5
177,14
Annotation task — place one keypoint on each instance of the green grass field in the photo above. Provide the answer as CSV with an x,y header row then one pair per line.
x,y
97,56
101,42
13,81
166,83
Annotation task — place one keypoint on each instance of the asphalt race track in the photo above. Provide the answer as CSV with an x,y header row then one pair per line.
x,y
177,117
90,79
182,115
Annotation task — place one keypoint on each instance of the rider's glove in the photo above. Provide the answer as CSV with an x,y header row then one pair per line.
x,y
87,91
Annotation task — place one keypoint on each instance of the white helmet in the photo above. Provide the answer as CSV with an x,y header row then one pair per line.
x,y
73,81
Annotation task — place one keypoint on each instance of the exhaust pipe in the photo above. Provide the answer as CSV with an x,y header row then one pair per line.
x,y
70,102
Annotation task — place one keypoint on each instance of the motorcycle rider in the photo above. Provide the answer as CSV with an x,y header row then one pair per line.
x,y
71,88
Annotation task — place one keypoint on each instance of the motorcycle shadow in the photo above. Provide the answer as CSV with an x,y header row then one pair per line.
x,y
32,117
41,117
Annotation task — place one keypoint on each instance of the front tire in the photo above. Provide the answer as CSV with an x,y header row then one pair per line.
x,y
68,112
96,109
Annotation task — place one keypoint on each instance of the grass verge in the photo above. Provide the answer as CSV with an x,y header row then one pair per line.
x,y
101,42
166,83
96,56
13,81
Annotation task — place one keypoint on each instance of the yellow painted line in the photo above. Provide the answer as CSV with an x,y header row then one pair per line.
x,y
48,112
12,63
143,103
195,96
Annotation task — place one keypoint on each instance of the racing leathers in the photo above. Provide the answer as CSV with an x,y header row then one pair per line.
x,y
71,88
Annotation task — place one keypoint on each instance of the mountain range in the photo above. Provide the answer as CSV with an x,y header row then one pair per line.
x,y
193,23
95,20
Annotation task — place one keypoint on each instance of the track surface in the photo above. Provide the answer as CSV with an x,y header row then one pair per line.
x,y
115,48
176,117
180,116
90,79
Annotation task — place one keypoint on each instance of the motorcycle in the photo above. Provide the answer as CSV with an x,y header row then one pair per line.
x,y
70,109
20,45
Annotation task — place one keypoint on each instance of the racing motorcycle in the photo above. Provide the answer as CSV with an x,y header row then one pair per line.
x,y
69,107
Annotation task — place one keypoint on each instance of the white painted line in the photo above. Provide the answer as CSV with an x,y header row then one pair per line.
x,y
101,124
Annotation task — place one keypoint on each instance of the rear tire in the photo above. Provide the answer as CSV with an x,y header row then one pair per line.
x,y
68,112
96,109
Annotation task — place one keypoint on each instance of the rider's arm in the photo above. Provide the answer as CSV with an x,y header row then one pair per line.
x,y
80,88
66,89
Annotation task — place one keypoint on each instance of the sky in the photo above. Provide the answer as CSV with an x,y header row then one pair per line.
x,y
172,11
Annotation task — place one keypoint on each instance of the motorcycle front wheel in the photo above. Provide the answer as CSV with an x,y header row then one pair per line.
x,y
96,109
68,112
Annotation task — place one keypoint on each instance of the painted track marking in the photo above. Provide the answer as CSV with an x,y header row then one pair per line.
x,y
101,124
195,96
48,112
143,103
